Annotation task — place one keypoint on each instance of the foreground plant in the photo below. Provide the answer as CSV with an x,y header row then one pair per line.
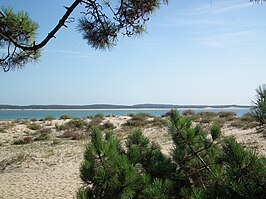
x,y
199,166
259,110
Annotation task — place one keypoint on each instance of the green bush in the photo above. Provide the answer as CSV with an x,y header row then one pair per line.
x,y
49,118
65,117
199,167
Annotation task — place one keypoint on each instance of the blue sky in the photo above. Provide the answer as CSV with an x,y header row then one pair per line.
x,y
194,52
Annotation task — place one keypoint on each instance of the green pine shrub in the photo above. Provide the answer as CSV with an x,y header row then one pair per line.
x,y
259,109
200,166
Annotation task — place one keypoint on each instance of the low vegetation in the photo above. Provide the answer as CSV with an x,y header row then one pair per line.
x,y
134,166
73,135
34,126
199,167
143,120
47,118
25,140
65,117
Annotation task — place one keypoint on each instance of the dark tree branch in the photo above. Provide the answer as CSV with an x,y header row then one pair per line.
x,y
50,35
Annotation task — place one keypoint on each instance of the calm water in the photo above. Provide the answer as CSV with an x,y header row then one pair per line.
x,y
17,114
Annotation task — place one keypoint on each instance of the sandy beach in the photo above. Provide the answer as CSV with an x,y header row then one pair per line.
x,y
50,168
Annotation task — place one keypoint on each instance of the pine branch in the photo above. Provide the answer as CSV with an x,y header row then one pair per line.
x,y
196,153
50,35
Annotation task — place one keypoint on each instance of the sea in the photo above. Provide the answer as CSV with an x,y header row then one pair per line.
x,y
13,114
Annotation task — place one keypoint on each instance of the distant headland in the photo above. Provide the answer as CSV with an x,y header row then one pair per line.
x,y
111,106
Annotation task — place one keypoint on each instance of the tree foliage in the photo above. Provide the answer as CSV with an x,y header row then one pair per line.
x,y
259,110
100,23
198,167
20,28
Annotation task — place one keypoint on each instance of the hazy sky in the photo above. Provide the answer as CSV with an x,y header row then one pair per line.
x,y
194,52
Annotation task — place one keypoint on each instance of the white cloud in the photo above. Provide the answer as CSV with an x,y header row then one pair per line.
x,y
195,22
217,7
70,53
226,39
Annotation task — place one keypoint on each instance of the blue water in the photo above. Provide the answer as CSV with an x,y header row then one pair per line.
x,y
18,114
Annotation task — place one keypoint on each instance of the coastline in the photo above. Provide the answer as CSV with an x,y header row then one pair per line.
x,y
128,109
12,114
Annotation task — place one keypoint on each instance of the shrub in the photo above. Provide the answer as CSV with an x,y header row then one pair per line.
x,y
34,126
43,138
138,120
56,142
65,117
227,115
25,140
76,123
108,125
99,115
33,119
59,127
188,112
45,131
21,121
158,121
219,121
96,120
72,135
2,130
199,167
259,110
247,118
246,121
49,118
44,134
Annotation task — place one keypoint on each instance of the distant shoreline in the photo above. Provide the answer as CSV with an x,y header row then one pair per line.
x,y
119,109
9,114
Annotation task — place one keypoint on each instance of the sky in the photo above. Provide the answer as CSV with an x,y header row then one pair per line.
x,y
194,52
